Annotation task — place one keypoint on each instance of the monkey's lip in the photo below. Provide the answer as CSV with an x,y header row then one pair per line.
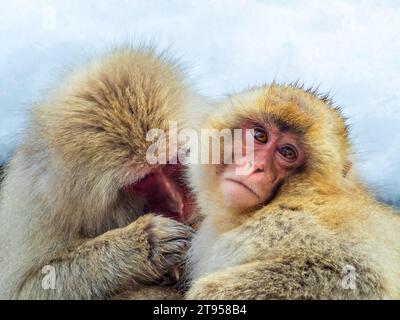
x,y
244,186
164,192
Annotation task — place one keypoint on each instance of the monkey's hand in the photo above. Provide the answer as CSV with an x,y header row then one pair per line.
x,y
168,242
151,250
145,252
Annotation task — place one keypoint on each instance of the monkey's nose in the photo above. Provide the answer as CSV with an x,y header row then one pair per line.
x,y
258,167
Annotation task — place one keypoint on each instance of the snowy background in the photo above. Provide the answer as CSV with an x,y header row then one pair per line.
x,y
350,48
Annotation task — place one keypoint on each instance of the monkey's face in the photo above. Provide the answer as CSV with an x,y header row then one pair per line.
x,y
163,191
248,183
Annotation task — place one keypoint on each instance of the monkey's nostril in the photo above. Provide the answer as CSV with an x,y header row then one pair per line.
x,y
258,169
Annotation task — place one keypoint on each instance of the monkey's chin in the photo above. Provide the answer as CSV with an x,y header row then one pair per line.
x,y
239,196
164,192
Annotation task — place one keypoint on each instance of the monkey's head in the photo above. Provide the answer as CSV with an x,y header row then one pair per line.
x,y
96,125
299,141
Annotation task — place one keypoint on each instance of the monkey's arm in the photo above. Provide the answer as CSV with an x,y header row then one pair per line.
x,y
118,260
294,275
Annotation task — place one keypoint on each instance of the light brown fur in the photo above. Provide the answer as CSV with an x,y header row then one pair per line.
x,y
321,219
60,201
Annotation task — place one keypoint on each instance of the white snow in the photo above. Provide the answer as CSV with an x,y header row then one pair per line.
x,y
351,49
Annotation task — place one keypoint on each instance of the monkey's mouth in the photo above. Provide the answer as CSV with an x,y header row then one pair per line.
x,y
165,192
245,186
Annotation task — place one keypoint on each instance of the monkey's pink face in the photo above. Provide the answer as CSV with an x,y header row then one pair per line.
x,y
164,192
252,183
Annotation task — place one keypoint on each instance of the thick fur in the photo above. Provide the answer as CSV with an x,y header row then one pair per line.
x,y
321,219
1,174
60,201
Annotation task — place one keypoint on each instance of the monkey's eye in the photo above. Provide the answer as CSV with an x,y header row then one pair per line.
x,y
288,152
260,135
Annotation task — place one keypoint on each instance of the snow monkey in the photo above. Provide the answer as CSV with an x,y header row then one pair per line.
x,y
83,214
296,223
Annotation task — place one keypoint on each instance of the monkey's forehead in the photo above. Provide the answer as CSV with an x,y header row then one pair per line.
x,y
323,130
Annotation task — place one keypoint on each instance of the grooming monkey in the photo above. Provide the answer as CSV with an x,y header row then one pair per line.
x,y
295,223
79,197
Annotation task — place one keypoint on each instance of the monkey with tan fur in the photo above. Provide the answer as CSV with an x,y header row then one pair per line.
x,y
79,195
298,224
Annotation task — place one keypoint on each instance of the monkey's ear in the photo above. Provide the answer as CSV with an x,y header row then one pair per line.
x,y
346,168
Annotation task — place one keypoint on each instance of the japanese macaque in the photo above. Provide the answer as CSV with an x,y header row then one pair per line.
x,y
295,223
83,214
